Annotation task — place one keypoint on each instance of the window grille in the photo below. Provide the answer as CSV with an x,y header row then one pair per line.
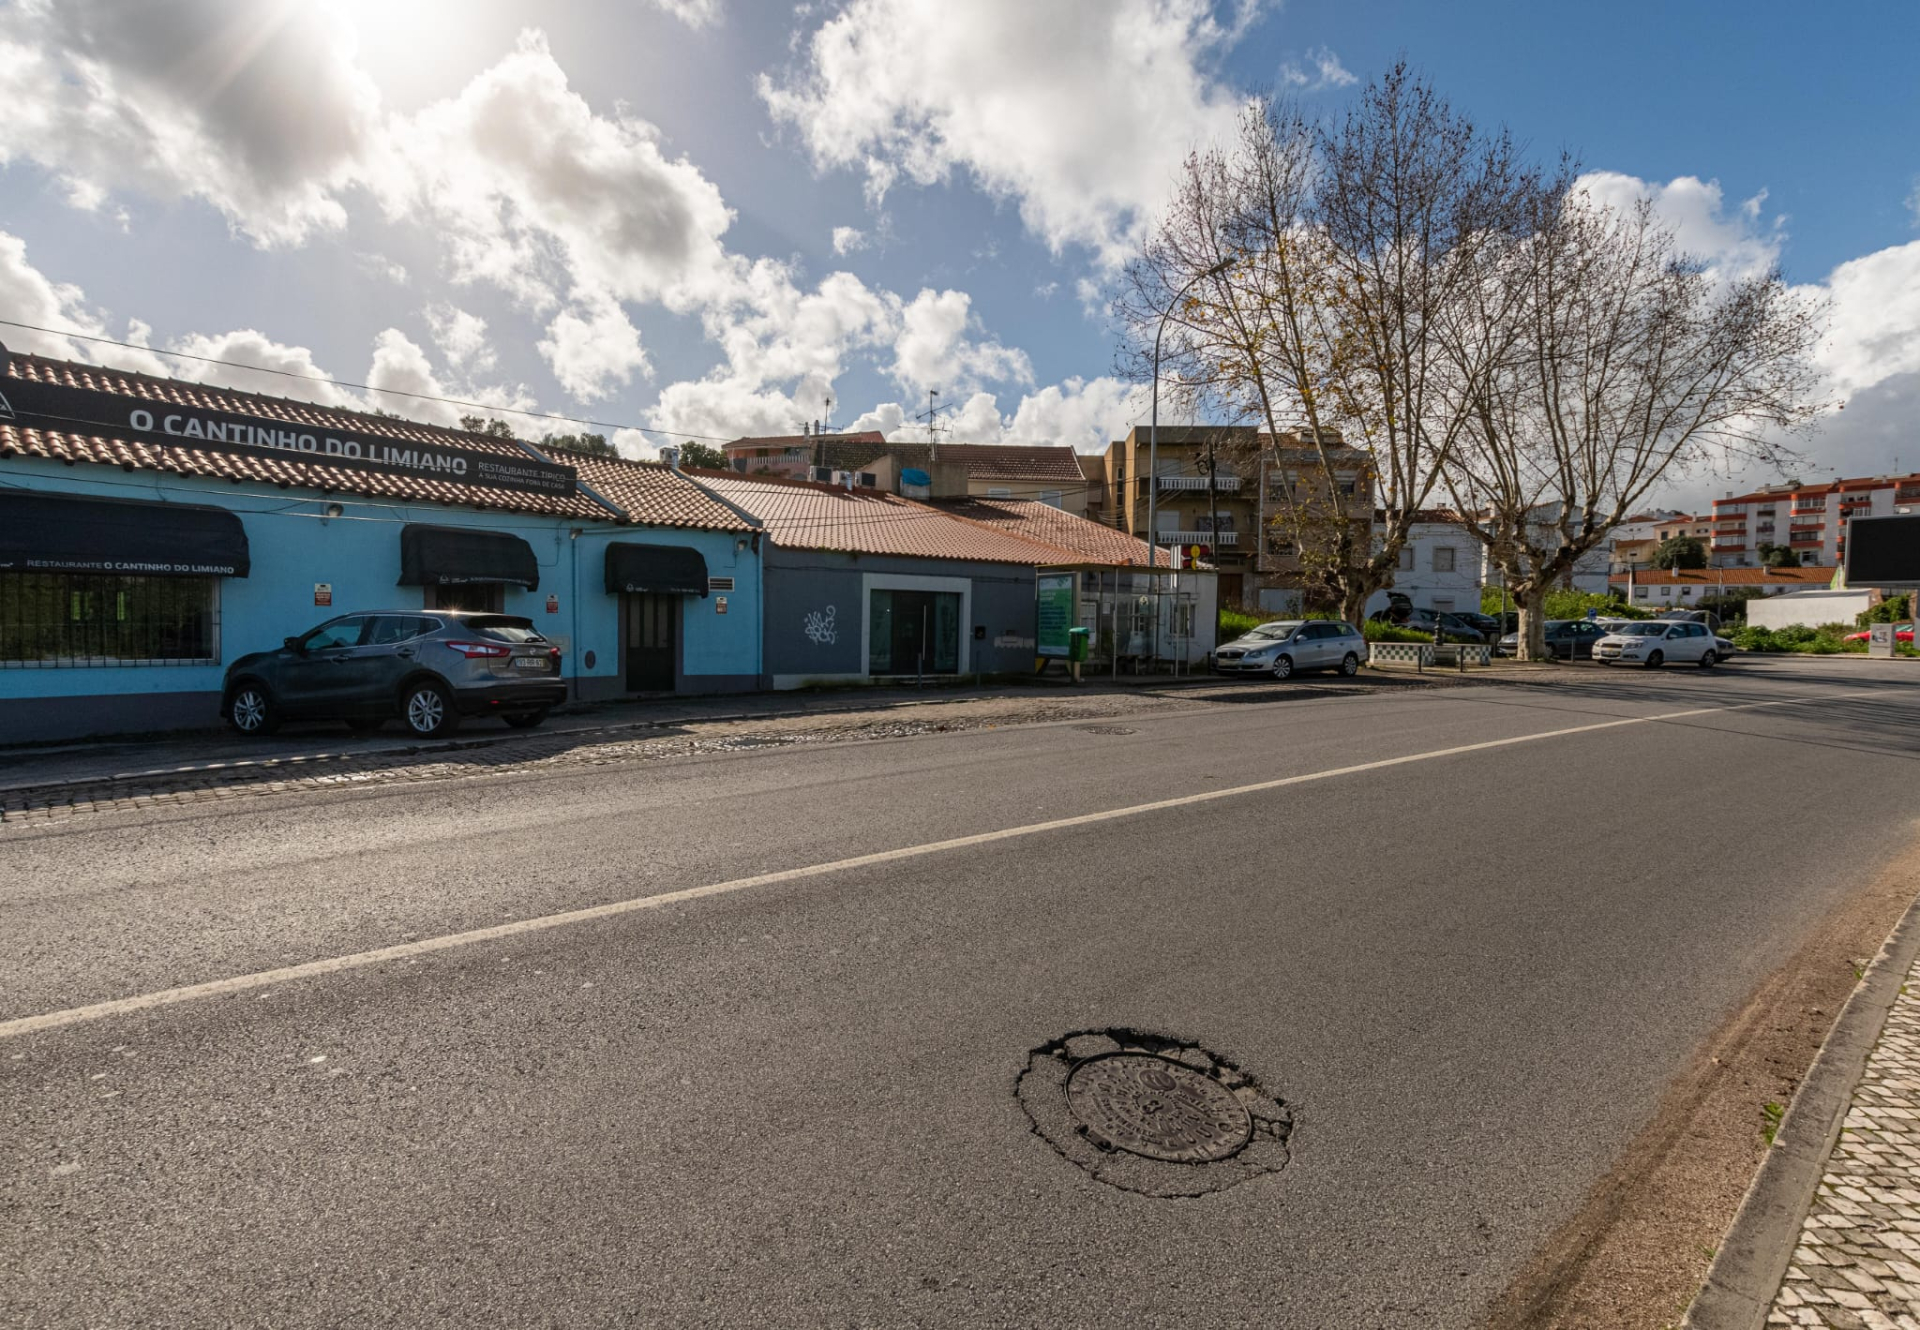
x,y
83,620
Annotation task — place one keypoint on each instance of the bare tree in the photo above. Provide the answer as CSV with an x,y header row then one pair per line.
x,y
1316,262
1596,361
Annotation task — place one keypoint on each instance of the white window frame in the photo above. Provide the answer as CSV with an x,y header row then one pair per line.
x,y
872,582
1450,562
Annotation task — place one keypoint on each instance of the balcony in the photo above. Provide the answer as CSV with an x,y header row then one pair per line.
x,y
1218,539
1220,484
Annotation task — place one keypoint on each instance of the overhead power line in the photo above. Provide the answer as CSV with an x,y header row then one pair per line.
x,y
364,387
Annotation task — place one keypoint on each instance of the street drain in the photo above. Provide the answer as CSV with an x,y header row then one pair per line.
x,y
1152,1114
1106,729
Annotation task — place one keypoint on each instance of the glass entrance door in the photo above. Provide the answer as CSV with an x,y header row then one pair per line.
x,y
652,642
913,632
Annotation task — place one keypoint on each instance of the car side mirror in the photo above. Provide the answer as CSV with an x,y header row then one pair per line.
x,y
293,644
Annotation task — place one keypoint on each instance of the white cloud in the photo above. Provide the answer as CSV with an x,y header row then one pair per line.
x,y
246,346
1876,320
592,347
847,239
259,109
461,337
1734,240
1085,414
30,296
1080,111
696,14
401,365
934,351
532,191
1913,201
1323,70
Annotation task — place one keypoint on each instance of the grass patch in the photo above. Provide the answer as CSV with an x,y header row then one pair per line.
x,y
1772,1112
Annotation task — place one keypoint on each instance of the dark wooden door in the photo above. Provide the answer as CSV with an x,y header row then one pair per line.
x,y
653,642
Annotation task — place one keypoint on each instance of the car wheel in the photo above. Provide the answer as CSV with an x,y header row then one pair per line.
x,y
251,711
1283,667
524,720
366,724
1707,660
427,710
1349,665
1656,660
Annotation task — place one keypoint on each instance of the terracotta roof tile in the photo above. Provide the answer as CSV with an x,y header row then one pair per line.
x,y
803,515
648,493
1726,576
1089,542
652,493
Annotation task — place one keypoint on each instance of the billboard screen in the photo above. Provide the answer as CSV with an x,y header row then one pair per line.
x,y
1882,551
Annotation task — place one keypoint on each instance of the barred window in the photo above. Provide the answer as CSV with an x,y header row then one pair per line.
x,y
77,620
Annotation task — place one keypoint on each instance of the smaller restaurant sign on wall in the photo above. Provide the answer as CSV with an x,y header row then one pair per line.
x,y
59,406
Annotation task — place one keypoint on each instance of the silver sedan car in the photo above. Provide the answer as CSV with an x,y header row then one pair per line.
x,y
1286,646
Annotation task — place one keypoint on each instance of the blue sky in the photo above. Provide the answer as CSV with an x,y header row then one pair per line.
x,y
708,216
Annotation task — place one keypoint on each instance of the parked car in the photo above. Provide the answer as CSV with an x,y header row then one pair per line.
x,y
1287,646
429,668
1455,628
1708,617
1569,639
1486,625
1654,642
1902,632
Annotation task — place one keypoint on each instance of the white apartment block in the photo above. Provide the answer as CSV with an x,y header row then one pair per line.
x,y
1442,565
1811,520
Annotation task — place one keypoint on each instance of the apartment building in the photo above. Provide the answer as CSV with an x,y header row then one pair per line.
x,y
1216,489
1441,567
1811,520
1049,474
1202,494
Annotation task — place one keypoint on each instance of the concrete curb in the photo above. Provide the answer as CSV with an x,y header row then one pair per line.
x,y
1753,1257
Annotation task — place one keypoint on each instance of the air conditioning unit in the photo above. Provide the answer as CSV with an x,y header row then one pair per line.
x,y
823,474
867,480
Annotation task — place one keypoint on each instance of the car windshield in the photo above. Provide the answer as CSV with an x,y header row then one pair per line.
x,y
504,628
1281,628
1642,630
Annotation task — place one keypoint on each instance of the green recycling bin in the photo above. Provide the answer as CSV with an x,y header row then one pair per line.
x,y
1079,643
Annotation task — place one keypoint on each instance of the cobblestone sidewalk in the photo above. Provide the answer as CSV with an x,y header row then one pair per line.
x,y
1858,1259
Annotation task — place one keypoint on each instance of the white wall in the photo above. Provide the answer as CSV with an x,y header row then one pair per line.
x,y
1811,608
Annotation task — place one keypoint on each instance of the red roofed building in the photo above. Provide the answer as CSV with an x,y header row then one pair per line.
x,y
1810,520
863,585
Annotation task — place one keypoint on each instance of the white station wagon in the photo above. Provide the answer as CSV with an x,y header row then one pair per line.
x,y
1654,642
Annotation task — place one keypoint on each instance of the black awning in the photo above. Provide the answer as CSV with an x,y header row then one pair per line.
x,y
665,569
447,555
59,533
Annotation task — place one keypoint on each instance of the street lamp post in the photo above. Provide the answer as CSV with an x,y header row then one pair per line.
x,y
1153,440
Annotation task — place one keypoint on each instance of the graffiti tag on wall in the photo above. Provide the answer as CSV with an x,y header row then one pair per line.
x,y
818,626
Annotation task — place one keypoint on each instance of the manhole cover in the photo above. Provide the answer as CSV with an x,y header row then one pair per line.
x,y
1153,1114
1156,1107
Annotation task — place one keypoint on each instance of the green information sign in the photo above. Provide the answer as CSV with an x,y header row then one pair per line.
x,y
1056,613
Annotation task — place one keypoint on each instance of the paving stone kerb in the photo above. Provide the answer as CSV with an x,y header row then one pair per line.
x,y
1829,1232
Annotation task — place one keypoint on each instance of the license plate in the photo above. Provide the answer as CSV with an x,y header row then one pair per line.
x,y
530,663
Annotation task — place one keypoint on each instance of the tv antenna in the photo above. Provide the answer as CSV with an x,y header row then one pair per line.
x,y
931,418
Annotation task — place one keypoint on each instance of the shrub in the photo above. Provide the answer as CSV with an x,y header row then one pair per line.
x,y
1376,631
1234,623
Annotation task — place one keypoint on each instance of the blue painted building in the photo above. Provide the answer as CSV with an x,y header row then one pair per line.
x,y
151,531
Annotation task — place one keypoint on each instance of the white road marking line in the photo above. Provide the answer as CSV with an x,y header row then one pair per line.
x,y
520,927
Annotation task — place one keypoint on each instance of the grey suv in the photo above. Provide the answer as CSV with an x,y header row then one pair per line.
x,y
429,668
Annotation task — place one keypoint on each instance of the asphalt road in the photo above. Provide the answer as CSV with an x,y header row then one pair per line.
x,y
1470,974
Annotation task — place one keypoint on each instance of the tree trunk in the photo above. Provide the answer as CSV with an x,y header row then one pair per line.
x,y
1532,600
